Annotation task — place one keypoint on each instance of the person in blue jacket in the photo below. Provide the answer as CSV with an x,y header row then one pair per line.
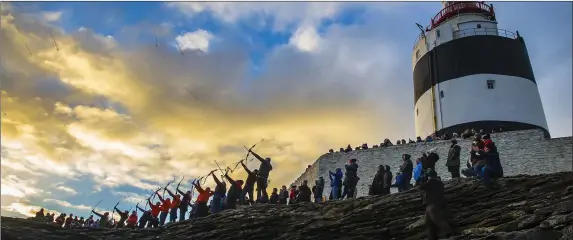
x,y
336,183
418,172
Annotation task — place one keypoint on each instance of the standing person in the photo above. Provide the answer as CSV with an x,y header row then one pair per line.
x,y
249,184
318,189
283,195
122,217
201,202
155,209
90,221
220,189
435,207
40,214
185,203
406,170
336,183
274,199
174,206
351,179
304,193
264,170
292,195
132,220
68,221
146,217
234,192
103,219
165,207
377,187
387,180
453,161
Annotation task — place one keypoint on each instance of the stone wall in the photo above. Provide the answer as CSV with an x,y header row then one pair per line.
x,y
521,152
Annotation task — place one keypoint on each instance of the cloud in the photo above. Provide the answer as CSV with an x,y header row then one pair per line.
x,y
305,39
17,187
67,204
23,210
197,40
67,190
132,197
283,14
49,16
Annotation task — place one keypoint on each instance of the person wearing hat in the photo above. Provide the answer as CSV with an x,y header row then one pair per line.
x,y
435,201
453,160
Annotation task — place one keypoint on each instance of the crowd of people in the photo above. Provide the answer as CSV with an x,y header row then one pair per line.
x,y
468,133
484,163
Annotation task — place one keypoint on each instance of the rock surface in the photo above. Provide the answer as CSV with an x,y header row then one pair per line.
x,y
519,207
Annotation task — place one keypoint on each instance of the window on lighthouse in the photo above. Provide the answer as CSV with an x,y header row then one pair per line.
x,y
490,84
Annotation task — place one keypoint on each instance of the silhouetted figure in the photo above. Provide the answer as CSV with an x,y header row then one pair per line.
x,y
435,201
263,176
377,187
351,179
304,192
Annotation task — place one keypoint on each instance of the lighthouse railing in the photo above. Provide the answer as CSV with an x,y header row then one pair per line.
x,y
484,31
461,7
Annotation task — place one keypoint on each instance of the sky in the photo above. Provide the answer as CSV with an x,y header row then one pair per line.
x,y
99,111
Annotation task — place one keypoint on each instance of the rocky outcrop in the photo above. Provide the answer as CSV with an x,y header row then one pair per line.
x,y
519,207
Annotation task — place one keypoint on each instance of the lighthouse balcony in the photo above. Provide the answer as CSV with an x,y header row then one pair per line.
x,y
484,31
457,8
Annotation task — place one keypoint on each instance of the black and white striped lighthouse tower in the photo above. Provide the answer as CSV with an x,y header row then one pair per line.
x,y
470,74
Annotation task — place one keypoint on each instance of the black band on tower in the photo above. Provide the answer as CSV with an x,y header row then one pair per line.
x,y
482,54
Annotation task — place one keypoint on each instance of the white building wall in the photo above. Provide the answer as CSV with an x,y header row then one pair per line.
x,y
423,115
521,152
468,99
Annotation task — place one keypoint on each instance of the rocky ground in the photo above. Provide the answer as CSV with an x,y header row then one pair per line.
x,y
520,207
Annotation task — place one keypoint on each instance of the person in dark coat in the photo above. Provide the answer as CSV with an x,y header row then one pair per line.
x,y
263,175
274,199
429,160
304,192
283,195
453,161
436,211
406,170
318,189
351,179
378,182
387,180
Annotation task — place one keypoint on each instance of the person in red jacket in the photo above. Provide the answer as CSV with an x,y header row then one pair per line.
x,y
293,194
155,208
165,207
201,203
174,206
132,220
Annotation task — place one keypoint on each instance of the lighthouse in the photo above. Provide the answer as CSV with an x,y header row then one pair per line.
x,y
468,74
